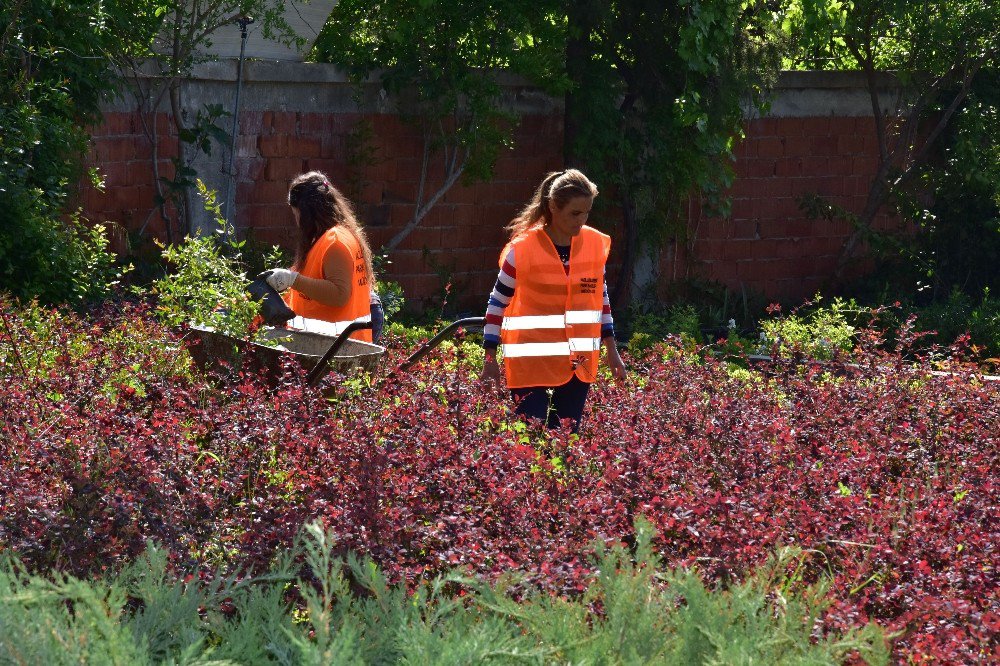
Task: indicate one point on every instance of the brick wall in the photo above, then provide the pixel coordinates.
(768, 244)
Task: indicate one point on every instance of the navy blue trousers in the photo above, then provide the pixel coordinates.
(567, 402)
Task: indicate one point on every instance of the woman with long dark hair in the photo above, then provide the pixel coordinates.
(330, 284)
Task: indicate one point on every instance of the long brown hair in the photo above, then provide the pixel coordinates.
(556, 190)
(322, 207)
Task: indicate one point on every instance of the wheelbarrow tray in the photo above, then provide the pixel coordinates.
(216, 350)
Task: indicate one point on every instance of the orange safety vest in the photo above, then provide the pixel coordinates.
(552, 327)
(320, 318)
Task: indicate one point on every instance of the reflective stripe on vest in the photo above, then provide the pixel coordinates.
(522, 349)
(551, 329)
(358, 304)
(323, 327)
(527, 322)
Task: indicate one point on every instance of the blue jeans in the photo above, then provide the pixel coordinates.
(567, 402)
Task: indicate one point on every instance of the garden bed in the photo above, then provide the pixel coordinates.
(886, 480)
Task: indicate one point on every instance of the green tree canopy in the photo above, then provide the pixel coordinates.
(655, 91)
(441, 60)
(935, 49)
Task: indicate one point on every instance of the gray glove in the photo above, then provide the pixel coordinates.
(280, 278)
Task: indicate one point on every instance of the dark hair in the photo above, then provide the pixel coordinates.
(321, 207)
(556, 190)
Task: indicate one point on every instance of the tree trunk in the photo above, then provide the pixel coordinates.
(582, 17)
(623, 280)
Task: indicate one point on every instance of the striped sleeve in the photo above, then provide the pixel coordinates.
(607, 321)
(503, 291)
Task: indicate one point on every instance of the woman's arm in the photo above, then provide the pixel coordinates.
(334, 289)
(503, 291)
(613, 358)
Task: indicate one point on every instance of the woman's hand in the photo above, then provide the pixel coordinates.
(614, 359)
(280, 279)
(491, 372)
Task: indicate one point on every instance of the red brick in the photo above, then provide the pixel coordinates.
(842, 125)
(386, 170)
(850, 144)
(332, 147)
(282, 169)
(816, 126)
(775, 187)
(138, 172)
(250, 169)
(798, 147)
(284, 122)
(408, 169)
(372, 192)
(762, 127)
(273, 146)
(246, 146)
(424, 237)
(865, 166)
(314, 124)
(790, 127)
(750, 271)
(737, 250)
(461, 194)
(789, 167)
(839, 166)
(303, 147)
(743, 209)
(335, 170)
(267, 192)
(164, 125)
(268, 216)
(463, 216)
(400, 214)
(117, 149)
(763, 168)
(282, 236)
(407, 262)
(723, 271)
(118, 123)
(166, 148)
(815, 165)
(770, 147)
(824, 145)
(787, 207)
(746, 148)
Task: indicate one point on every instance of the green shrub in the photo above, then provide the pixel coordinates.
(209, 285)
(818, 333)
(350, 613)
(651, 326)
(51, 81)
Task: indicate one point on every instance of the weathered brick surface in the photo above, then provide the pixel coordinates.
(768, 244)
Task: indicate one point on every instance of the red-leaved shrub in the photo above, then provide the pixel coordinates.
(884, 473)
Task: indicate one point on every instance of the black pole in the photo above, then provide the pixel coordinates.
(244, 21)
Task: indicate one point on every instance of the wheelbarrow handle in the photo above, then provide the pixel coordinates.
(313, 377)
(443, 334)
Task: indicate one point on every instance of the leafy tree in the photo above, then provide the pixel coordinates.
(657, 101)
(935, 49)
(655, 90)
(440, 61)
(52, 76)
(171, 38)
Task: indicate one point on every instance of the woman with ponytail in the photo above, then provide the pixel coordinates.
(330, 284)
(549, 308)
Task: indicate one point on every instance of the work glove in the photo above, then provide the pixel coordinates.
(279, 278)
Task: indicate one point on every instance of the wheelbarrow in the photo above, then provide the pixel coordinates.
(319, 353)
